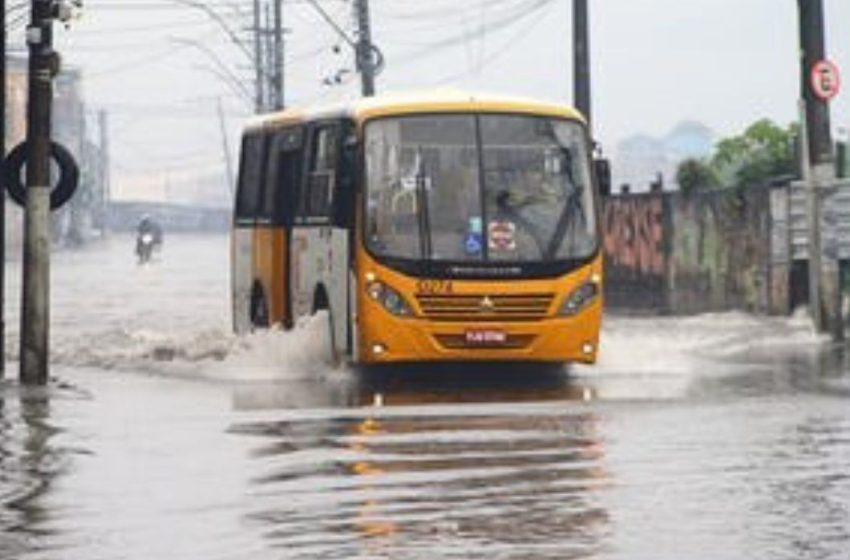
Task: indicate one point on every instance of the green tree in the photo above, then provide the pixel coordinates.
(764, 150)
(695, 175)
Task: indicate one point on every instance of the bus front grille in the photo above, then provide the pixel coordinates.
(513, 307)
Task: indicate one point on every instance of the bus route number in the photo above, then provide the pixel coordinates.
(434, 287)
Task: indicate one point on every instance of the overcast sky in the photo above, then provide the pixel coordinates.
(655, 63)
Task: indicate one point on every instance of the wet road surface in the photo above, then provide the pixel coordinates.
(163, 436)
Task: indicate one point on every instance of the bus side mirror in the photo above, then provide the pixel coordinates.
(602, 168)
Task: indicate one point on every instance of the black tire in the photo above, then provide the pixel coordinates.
(321, 303)
(259, 309)
(144, 251)
(69, 175)
(332, 357)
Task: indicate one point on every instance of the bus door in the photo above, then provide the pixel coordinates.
(319, 271)
(281, 180)
(246, 211)
(283, 175)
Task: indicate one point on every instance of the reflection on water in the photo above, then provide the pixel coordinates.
(806, 487)
(30, 464)
(412, 385)
(427, 463)
(514, 462)
(402, 482)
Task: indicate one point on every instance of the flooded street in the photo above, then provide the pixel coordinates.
(164, 436)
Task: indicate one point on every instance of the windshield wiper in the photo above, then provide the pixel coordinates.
(572, 209)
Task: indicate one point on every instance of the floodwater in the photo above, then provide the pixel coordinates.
(162, 436)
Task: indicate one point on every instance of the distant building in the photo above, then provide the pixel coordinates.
(200, 187)
(637, 160)
(69, 128)
(640, 158)
(16, 129)
(689, 139)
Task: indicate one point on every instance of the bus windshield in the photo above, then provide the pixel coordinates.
(479, 188)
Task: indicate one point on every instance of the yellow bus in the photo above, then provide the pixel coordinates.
(432, 227)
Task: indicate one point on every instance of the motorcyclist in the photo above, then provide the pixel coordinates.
(147, 232)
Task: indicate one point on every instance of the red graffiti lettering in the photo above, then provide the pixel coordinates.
(634, 233)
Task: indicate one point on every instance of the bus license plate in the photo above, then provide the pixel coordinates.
(486, 337)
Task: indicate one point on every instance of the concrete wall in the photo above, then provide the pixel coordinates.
(668, 253)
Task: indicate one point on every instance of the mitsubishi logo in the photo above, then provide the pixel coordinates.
(487, 305)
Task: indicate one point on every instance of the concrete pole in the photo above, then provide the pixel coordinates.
(35, 311)
(103, 169)
(269, 60)
(3, 189)
(581, 60)
(77, 206)
(819, 173)
(279, 61)
(228, 159)
(813, 50)
(258, 62)
(813, 219)
(365, 54)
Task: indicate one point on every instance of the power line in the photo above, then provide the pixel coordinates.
(504, 21)
(438, 14)
(169, 5)
(123, 30)
(330, 21)
(133, 65)
(495, 55)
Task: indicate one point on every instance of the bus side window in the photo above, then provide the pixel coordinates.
(284, 174)
(250, 187)
(316, 200)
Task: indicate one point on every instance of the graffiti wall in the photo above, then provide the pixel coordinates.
(672, 254)
(636, 256)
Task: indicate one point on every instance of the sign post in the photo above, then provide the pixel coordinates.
(820, 82)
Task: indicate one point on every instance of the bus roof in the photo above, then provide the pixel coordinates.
(429, 101)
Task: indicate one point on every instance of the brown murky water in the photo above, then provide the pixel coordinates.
(162, 436)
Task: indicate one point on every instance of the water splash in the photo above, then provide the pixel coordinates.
(215, 354)
(667, 358)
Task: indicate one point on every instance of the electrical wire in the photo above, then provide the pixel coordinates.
(504, 21)
(509, 44)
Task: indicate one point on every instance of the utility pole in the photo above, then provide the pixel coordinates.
(269, 59)
(819, 174)
(3, 189)
(279, 63)
(258, 61)
(581, 60)
(77, 206)
(231, 180)
(35, 320)
(103, 169)
(364, 48)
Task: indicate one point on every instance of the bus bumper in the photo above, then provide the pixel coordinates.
(561, 339)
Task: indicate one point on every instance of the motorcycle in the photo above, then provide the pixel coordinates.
(145, 245)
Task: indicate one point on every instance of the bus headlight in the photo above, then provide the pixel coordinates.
(390, 299)
(579, 299)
